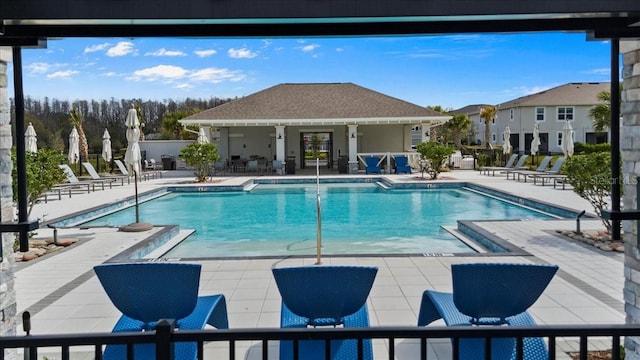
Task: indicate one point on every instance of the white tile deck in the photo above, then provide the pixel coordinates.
(64, 296)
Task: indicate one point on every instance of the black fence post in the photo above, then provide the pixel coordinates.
(164, 346)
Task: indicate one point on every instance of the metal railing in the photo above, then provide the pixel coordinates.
(165, 335)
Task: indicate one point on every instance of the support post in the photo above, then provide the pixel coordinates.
(615, 137)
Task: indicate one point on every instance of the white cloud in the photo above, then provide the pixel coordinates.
(165, 52)
(184, 86)
(109, 74)
(205, 53)
(310, 47)
(266, 43)
(62, 74)
(164, 72)
(526, 90)
(182, 78)
(38, 67)
(96, 48)
(339, 49)
(121, 49)
(243, 53)
(601, 71)
(216, 75)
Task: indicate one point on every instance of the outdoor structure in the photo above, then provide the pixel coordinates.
(286, 121)
(550, 109)
(30, 22)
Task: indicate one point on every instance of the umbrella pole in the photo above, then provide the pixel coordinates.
(135, 184)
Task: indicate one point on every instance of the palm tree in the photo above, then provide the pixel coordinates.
(488, 113)
(76, 120)
(457, 126)
(601, 113)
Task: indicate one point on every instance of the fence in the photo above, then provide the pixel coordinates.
(164, 336)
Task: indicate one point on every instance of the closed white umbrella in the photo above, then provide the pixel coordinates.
(132, 157)
(202, 137)
(74, 146)
(535, 143)
(31, 139)
(506, 146)
(106, 146)
(567, 140)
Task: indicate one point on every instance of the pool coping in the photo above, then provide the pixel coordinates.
(468, 228)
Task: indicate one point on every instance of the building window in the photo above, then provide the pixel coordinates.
(540, 114)
(565, 114)
(511, 114)
(560, 139)
(493, 137)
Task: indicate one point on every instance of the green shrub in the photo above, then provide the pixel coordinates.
(590, 176)
(42, 173)
(580, 148)
(201, 157)
(436, 153)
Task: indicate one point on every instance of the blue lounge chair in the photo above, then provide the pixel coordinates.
(372, 166)
(324, 296)
(490, 294)
(402, 165)
(148, 292)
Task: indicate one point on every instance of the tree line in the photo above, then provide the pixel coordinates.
(53, 119)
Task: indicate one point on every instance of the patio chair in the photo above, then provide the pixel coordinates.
(123, 169)
(402, 165)
(252, 166)
(542, 167)
(73, 185)
(278, 167)
(73, 181)
(311, 297)
(490, 294)
(148, 292)
(220, 166)
(552, 174)
(518, 166)
(109, 179)
(509, 164)
(372, 166)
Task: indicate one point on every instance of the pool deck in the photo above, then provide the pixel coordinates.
(64, 296)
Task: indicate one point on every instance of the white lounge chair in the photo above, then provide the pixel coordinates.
(107, 178)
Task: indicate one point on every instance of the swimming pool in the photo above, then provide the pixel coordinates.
(280, 220)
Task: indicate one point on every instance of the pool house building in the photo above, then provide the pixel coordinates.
(340, 123)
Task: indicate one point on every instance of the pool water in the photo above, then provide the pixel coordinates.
(280, 220)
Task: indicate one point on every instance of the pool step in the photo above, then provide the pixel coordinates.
(169, 244)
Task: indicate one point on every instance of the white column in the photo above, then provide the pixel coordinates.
(207, 131)
(426, 132)
(352, 133)
(280, 141)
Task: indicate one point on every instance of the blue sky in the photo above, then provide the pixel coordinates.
(451, 71)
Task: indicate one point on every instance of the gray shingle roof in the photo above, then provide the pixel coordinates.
(567, 94)
(315, 101)
(468, 110)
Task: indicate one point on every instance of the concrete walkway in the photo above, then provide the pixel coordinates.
(64, 296)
